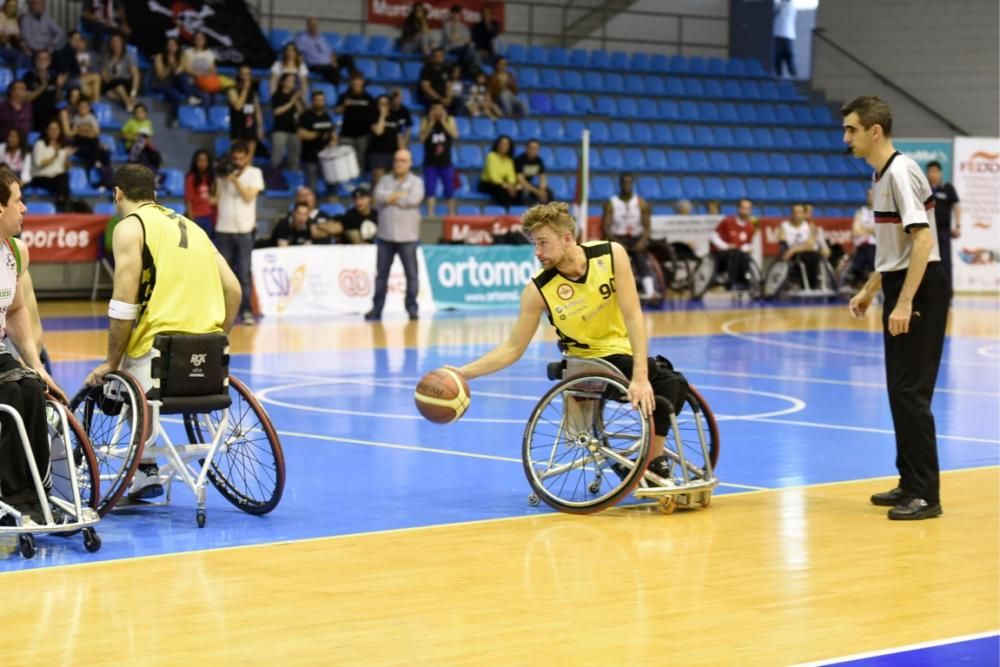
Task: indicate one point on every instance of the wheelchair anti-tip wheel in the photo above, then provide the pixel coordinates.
(248, 469)
(585, 448)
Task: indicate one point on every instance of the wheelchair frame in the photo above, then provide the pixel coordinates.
(754, 289)
(775, 282)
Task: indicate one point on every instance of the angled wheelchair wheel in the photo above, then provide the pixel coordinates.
(703, 276)
(77, 453)
(115, 418)
(776, 278)
(248, 469)
(585, 447)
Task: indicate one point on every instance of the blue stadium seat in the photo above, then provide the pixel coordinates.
(193, 118)
(541, 104)
(688, 111)
(783, 115)
(735, 67)
(780, 164)
(642, 133)
(6, 77)
(747, 113)
(552, 130)
(714, 188)
(116, 146)
(618, 60)
(639, 62)
(367, 67)
(713, 89)
(796, 188)
(482, 129)
(634, 159)
(836, 191)
(698, 162)
(506, 126)
(468, 209)
(652, 85)
(573, 80)
(563, 104)
(799, 164)
(656, 159)
(612, 159)
(278, 37)
(774, 211)
(494, 210)
(614, 82)
(723, 136)
(729, 113)
(766, 114)
(561, 190)
(857, 190)
(663, 134)
(173, 182)
(693, 187)
(411, 70)
(594, 161)
(739, 163)
(674, 87)
(756, 189)
(751, 89)
(578, 57)
(668, 109)
(390, 70)
(708, 112)
(670, 188)
(332, 209)
(816, 191)
(648, 187)
(783, 139)
(36, 207)
(556, 56)
(566, 159)
(677, 161)
(769, 91)
(515, 53)
(536, 54)
(529, 128)
(606, 106)
(718, 162)
(598, 59)
(104, 208)
(333, 39)
(528, 77)
(620, 132)
(715, 66)
(462, 124)
(693, 88)
(583, 104)
(635, 85)
(598, 131)
(822, 116)
(684, 135)
(379, 45)
(79, 184)
(659, 62)
(218, 118)
(703, 136)
(470, 156)
(759, 164)
(743, 137)
(602, 187)
(105, 117)
(696, 65)
(762, 138)
(353, 44)
(802, 140)
(823, 139)
(731, 89)
(628, 107)
(735, 189)
(417, 152)
(550, 79)
(818, 165)
(548, 155)
(788, 91)
(776, 190)
(802, 115)
(221, 145)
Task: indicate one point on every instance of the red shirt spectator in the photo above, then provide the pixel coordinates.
(198, 197)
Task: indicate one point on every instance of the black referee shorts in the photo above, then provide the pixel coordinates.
(667, 383)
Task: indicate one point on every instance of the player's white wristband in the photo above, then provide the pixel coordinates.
(119, 310)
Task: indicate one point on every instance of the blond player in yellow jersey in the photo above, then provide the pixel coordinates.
(588, 293)
(168, 278)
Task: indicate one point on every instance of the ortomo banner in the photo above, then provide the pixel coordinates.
(394, 12)
(976, 253)
(476, 276)
(64, 238)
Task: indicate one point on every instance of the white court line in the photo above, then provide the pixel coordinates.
(866, 429)
(898, 649)
(990, 351)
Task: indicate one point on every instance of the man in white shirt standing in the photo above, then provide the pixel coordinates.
(237, 219)
(784, 37)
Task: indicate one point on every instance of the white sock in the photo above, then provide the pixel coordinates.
(647, 286)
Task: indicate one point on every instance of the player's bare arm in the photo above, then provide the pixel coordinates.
(640, 391)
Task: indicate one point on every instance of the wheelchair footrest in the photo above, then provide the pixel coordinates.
(685, 494)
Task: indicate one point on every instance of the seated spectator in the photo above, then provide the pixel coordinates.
(200, 74)
(67, 108)
(246, 120)
(11, 49)
(863, 234)
(731, 244)
(713, 207)
(81, 65)
(15, 109)
(499, 178)
(683, 207)
(294, 229)
(50, 164)
(316, 131)
(627, 219)
(503, 89)
(485, 33)
(456, 90)
(44, 90)
(437, 132)
(144, 152)
(530, 169)
(120, 74)
(478, 100)
(434, 81)
(199, 191)
(39, 32)
(85, 136)
(385, 139)
(803, 241)
(325, 229)
(286, 106)
(357, 110)
(319, 56)
(104, 18)
(138, 123)
(168, 78)
(360, 222)
(402, 116)
(415, 36)
(456, 41)
(290, 62)
(15, 156)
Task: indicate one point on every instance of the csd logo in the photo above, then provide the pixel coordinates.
(277, 281)
(354, 282)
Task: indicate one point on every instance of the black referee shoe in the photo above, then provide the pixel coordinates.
(914, 508)
(889, 498)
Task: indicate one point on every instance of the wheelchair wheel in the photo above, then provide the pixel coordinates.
(115, 418)
(755, 280)
(774, 281)
(675, 261)
(78, 453)
(703, 277)
(585, 447)
(249, 467)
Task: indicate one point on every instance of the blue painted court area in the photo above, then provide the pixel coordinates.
(978, 652)
(794, 409)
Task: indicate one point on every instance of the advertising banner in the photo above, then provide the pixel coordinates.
(976, 253)
(394, 12)
(925, 150)
(63, 239)
(479, 276)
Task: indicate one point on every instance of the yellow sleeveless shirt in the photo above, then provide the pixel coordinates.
(585, 312)
(180, 290)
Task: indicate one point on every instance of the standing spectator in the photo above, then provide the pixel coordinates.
(120, 75)
(503, 89)
(530, 169)
(15, 155)
(199, 191)
(139, 123)
(784, 37)
(290, 62)
(945, 206)
(628, 220)
(319, 56)
(316, 131)
(15, 111)
(237, 219)
(357, 109)
(415, 36)
(166, 77)
(81, 65)
(499, 178)
(104, 18)
(478, 100)
(398, 196)
(434, 81)
(85, 136)
(286, 105)
(200, 75)
(731, 244)
(456, 41)
(437, 132)
(44, 90)
(385, 139)
(11, 48)
(360, 222)
(803, 241)
(39, 32)
(401, 114)
(246, 120)
(863, 234)
(485, 33)
(50, 164)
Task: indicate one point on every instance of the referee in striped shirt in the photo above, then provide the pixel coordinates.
(908, 269)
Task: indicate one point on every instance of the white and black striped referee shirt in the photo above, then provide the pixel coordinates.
(902, 197)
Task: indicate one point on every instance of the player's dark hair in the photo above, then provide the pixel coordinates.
(137, 182)
(934, 163)
(7, 179)
(871, 110)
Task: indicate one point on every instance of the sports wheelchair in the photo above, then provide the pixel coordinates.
(707, 274)
(585, 448)
(791, 278)
(228, 439)
(70, 505)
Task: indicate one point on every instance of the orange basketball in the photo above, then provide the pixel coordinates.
(442, 396)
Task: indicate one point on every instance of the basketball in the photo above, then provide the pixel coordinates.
(442, 396)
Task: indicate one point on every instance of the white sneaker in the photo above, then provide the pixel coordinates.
(146, 483)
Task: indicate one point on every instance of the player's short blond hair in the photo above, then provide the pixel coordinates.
(555, 216)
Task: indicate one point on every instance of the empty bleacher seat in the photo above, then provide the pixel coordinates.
(714, 188)
(656, 159)
(470, 156)
(693, 87)
(468, 209)
(668, 109)
(578, 57)
(620, 132)
(618, 60)
(614, 82)
(677, 161)
(547, 154)
(606, 106)
(583, 104)
(703, 136)
(79, 183)
(560, 187)
(648, 187)
(278, 37)
(641, 133)
(573, 80)
(684, 135)
(550, 79)
(563, 104)
(552, 129)
(759, 163)
(493, 209)
(218, 118)
(798, 163)
(663, 134)
(612, 159)
(670, 188)
(698, 161)
(379, 45)
(739, 163)
(541, 103)
(707, 112)
(104, 208)
(482, 129)
(776, 190)
(634, 84)
(598, 131)
(713, 89)
(602, 187)
(515, 53)
(193, 118)
(506, 126)
(353, 44)
(673, 87)
(818, 165)
(173, 182)
(634, 159)
(35, 207)
(856, 190)
(652, 84)
(836, 191)
(628, 107)
(729, 113)
(718, 161)
(390, 70)
(417, 152)
(693, 187)
(780, 164)
(796, 189)
(816, 191)
(556, 56)
(735, 189)
(756, 189)
(783, 139)
(529, 128)
(722, 136)
(566, 159)
(783, 115)
(598, 59)
(639, 62)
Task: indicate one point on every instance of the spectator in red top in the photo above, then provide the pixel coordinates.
(199, 191)
(731, 245)
(15, 111)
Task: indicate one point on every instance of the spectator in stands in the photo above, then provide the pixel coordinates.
(434, 81)
(357, 110)
(39, 32)
(401, 114)
(628, 220)
(478, 100)
(15, 111)
(200, 76)
(67, 108)
(499, 178)
(50, 164)
(120, 74)
(246, 120)
(85, 136)
(713, 207)
(138, 123)
(398, 196)
(731, 244)
(457, 42)
(437, 132)
(683, 207)
(45, 90)
(485, 33)
(503, 89)
(104, 18)
(11, 48)
(290, 62)
(530, 169)
(325, 229)
(360, 222)
(295, 229)
(316, 131)
(415, 36)
(199, 191)
(803, 241)
(81, 66)
(14, 154)
(237, 218)
(167, 77)
(784, 37)
(863, 236)
(319, 56)
(385, 139)
(286, 106)
(144, 152)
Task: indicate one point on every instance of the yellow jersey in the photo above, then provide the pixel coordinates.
(585, 311)
(180, 290)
